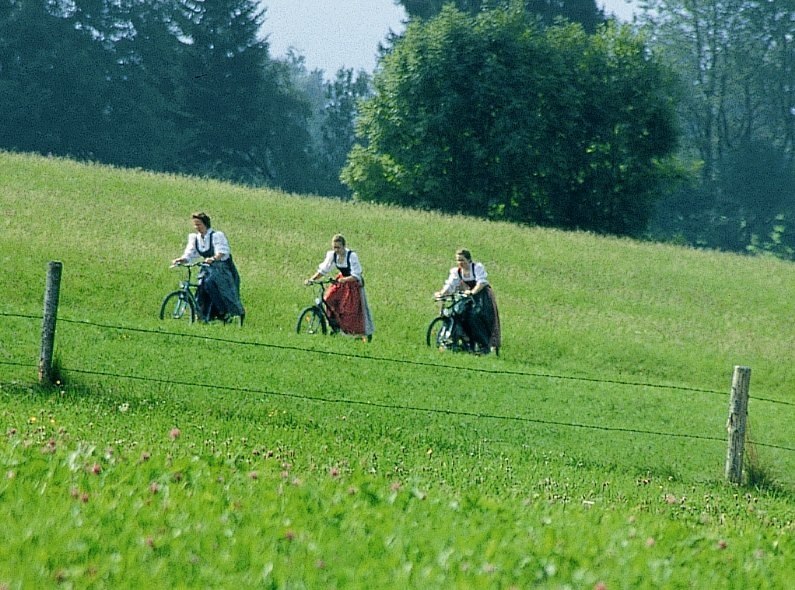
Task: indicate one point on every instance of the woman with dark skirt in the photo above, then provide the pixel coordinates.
(482, 319)
(346, 298)
(218, 295)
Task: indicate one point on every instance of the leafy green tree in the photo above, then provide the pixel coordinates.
(584, 12)
(493, 116)
(737, 59)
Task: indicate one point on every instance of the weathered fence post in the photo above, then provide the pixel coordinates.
(51, 295)
(738, 413)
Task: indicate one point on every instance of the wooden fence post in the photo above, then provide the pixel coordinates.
(51, 295)
(738, 413)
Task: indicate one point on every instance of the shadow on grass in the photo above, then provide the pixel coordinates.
(762, 478)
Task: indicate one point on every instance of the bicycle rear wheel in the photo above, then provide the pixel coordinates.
(311, 321)
(178, 306)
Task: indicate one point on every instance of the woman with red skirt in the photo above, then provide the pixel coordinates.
(346, 299)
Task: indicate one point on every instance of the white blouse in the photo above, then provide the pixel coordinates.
(477, 272)
(328, 265)
(196, 242)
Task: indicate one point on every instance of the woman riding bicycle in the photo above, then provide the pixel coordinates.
(218, 295)
(481, 321)
(346, 299)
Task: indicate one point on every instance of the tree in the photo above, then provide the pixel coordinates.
(334, 108)
(139, 122)
(584, 12)
(222, 90)
(493, 116)
(341, 109)
(737, 59)
(53, 73)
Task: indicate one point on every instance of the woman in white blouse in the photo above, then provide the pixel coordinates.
(481, 320)
(346, 299)
(218, 295)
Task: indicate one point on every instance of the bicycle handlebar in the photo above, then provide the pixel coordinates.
(328, 281)
(451, 296)
(189, 265)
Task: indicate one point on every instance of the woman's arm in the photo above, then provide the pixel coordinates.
(450, 285)
(190, 251)
(220, 247)
(479, 272)
(323, 268)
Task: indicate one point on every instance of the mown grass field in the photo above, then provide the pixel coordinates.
(589, 454)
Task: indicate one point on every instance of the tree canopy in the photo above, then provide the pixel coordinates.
(174, 85)
(737, 60)
(494, 116)
(584, 12)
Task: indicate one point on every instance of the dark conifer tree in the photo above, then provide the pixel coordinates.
(240, 119)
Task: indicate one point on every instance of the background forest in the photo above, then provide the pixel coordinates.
(678, 127)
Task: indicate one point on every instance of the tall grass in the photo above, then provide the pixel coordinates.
(590, 452)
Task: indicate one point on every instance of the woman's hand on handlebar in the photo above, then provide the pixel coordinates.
(318, 280)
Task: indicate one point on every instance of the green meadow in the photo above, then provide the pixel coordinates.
(589, 454)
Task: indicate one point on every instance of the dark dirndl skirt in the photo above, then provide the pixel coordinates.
(218, 295)
(482, 321)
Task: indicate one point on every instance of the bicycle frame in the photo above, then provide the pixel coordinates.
(316, 318)
(181, 304)
(446, 331)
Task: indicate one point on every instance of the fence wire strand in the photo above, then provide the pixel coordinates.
(460, 413)
(404, 361)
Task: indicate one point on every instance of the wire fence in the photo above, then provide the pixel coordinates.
(395, 407)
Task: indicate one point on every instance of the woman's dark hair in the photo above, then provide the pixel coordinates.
(203, 217)
(465, 253)
(339, 238)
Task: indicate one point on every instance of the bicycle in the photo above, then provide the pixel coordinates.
(316, 319)
(182, 303)
(446, 331)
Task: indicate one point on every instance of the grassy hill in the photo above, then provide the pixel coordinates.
(588, 454)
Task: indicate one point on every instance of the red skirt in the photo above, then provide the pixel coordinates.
(344, 302)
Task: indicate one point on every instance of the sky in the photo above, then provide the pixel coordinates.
(331, 34)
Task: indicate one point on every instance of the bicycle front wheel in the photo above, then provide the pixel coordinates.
(311, 321)
(438, 332)
(178, 306)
